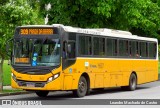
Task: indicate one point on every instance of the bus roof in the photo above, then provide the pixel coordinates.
(108, 33)
(27, 26)
(105, 32)
(99, 31)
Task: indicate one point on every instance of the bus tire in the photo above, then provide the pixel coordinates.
(132, 83)
(42, 93)
(82, 87)
(88, 91)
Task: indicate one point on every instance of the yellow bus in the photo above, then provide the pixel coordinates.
(64, 58)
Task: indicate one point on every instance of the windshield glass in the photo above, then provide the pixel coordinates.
(36, 52)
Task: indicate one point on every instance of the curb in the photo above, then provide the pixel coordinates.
(15, 93)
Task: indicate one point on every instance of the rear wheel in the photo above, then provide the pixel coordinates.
(82, 88)
(42, 93)
(132, 83)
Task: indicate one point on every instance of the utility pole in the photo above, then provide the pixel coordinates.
(47, 7)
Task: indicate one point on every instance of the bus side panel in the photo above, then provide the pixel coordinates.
(92, 78)
(72, 75)
(94, 69)
(90, 67)
(107, 79)
(139, 66)
(126, 69)
(99, 80)
(152, 70)
(68, 82)
(115, 76)
(76, 77)
(112, 73)
(97, 67)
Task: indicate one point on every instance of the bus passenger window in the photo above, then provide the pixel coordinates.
(115, 50)
(152, 50)
(111, 47)
(137, 50)
(143, 49)
(85, 45)
(155, 50)
(123, 48)
(147, 50)
(98, 48)
(133, 50)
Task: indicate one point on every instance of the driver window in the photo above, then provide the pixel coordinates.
(73, 51)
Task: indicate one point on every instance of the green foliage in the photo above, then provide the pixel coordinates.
(6, 74)
(13, 14)
(159, 50)
(141, 17)
(81, 13)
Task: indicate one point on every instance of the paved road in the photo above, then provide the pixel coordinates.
(145, 91)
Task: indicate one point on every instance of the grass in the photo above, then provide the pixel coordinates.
(11, 91)
(7, 73)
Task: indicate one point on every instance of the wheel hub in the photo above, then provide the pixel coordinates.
(82, 86)
(133, 82)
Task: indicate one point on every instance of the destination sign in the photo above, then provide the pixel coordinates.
(32, 31)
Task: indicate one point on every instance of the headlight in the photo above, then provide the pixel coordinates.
(56, 76)
(50, 79)
(53, 77)
(13, 76)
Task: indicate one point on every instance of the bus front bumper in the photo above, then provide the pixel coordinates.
(37, 85)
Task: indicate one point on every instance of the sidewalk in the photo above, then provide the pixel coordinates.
(8, 90)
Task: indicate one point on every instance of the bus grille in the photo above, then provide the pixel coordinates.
(32, 71)
(31, 84)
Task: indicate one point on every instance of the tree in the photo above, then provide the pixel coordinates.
(14, 13)
(141, 17)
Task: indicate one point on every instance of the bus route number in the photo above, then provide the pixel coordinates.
(36, 31)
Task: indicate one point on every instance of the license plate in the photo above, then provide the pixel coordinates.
(30, 85)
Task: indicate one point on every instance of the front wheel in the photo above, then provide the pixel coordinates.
(132, 83)
(82, 88)
(42, 93)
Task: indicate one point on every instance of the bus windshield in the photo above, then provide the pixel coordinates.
(36, 52)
